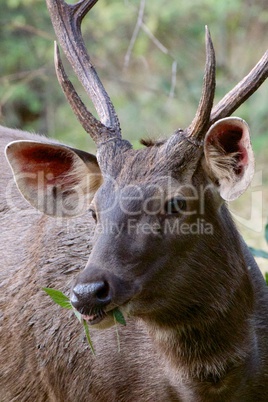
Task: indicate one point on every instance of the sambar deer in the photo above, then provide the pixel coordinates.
(165, 251)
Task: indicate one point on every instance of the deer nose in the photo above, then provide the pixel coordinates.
(86, 295)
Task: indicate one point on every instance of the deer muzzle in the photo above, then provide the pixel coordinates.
(96, 294)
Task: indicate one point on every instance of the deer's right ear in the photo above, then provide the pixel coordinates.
(229, 156)
(55, 179)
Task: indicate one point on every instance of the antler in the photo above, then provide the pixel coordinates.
(201, 120)
(204, 117)
(242, 91)
(66, 20)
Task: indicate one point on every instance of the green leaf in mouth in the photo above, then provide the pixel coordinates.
(118, 316)
(62, 300)
(58, 297)
(85, 325)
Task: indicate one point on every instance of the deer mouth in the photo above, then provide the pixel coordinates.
(96, 318)
(106, 318)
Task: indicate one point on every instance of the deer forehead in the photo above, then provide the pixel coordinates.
(145, 180)
(174, 158)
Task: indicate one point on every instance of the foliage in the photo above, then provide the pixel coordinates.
(261, 253)
(149, 98)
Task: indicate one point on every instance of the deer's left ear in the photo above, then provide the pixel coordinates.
(229, 156)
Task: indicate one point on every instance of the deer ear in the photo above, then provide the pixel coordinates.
(229, 156)
(55, 179)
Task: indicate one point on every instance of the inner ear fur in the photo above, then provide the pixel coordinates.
(55, 179)
(229, 156)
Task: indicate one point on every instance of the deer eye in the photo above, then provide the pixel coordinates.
(175, 205)
(93, 214)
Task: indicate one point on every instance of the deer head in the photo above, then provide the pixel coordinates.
(159, 211)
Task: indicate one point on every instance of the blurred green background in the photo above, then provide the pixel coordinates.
(154, 82)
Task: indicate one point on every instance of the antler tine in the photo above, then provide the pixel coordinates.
(90, 124)
(200, 123)
(66, 20)
(242, 91)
